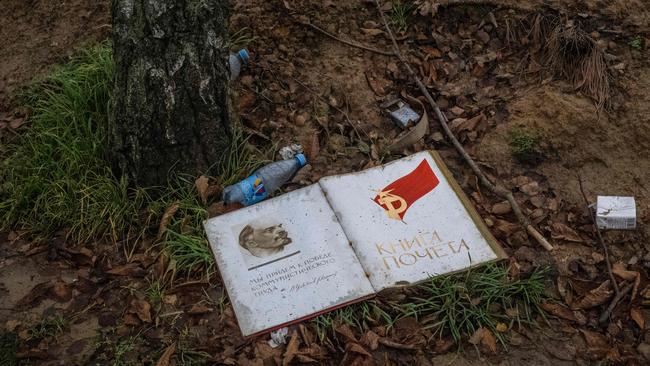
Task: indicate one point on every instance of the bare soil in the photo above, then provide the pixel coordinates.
(36, 34)
(305, 87)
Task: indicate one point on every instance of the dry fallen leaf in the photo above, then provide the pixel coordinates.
(370, 340)
(558, 310)
(502, 327)
(501, 208)
(142, 309)
(637, 315)
(563, 232)
(130, 319)
(292, 349)
(531, 188)
(443, 345)
(431, 52)
(505, 227)
(597, 345)
(346, 332)
(314, 351)
(354, 347)
(595, 297)
(129, 269)
(167, 218)
(484, 336)
(61, 291)
(166, 356)
(202, 186)
(619, 270)
(198, 309)
(372, 31)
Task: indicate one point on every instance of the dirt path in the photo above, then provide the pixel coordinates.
(35, 34)
(300, 87)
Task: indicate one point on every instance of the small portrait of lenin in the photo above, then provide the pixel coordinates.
(263, 240)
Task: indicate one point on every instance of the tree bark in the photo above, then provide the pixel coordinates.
(170, 102)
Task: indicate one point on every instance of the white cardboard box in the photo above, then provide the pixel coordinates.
(616, 212)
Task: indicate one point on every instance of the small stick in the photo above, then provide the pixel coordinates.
(498, 190)
(349, 43)
(600, 237)
(603, 318)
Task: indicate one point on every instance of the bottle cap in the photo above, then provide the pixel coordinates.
(301, 159)
(243, 55)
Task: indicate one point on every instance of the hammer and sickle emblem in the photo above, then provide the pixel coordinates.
(388, 199)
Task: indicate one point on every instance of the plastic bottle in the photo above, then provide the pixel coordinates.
(263, 181)
(236, 61)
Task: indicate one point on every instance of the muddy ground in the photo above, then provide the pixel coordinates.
(489, 73)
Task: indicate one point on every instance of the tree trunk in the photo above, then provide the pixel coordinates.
(170, 103)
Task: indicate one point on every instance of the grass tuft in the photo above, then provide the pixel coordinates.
(460, 304)
(455, 305)
(636, 42)
(522, 142)
(361, 316)
(8, 348)
(240, 39)
(399, 15)
(155, 294)
(56, 175)
(48, 327)
(185, 239)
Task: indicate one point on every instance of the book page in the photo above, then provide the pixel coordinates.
(407, 221)
(285, 259)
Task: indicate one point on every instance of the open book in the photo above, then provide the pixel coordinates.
(344, 239)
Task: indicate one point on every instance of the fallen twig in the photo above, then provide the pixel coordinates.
(498, 190)
(600, 237)
(344, 41)
(603, 318)
(516, 5)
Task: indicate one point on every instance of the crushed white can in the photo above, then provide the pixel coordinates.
(616, 212)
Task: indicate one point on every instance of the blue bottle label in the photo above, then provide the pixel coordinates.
(254, 190)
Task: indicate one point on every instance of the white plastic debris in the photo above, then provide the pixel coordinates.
(616, 212)
(278, 337)
(288, 152)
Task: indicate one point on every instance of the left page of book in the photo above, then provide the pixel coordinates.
(284, 260)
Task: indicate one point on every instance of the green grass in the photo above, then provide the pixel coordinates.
(122, 351)
(48, 327)
(455, 305)
(185, 354)
(184, 239)
(8, 348)
(399, 15)
(240, 39)
(56, 175)
(523, 142)
(155, 293)
(117, 350)
(636, 43)
(462, 303)
(361, 316)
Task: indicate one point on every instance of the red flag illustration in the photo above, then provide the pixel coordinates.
(397, 197)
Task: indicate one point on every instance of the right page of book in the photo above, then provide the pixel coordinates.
(409, 220)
